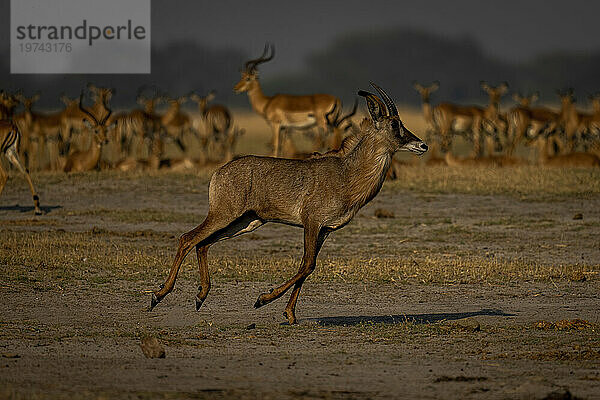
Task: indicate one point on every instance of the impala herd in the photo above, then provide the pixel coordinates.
(79, 138)
(495, 134)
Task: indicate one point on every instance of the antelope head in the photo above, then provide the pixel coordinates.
(595, 100)
(68, 102)
(250, 72)
(99, 128)
(100, 93)
(174, 103)
(8, 102)
(148, 102)
(494, 92)
(566, 97)
(203, 101)
(425, 92)
(386, 121)
(525, 101)
(27, 101)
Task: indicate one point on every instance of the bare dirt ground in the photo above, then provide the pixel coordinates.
(461, 292)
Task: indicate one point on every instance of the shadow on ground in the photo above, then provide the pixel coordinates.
(24, 209)
(397, 319)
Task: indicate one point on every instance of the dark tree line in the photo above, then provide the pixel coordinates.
(393, 58)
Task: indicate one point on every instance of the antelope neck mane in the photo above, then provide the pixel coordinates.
(369, 161)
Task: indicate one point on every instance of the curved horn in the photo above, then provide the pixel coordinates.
(392, 110)
(345, 117)
(107, 115)
(335, 113)
(251, 64)
(86, 111)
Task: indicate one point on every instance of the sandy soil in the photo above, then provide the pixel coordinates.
(354, 339)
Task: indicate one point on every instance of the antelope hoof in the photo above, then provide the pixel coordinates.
(260, 301)
(153, 302)
(38, 212)
(289, 315)
(199, 304)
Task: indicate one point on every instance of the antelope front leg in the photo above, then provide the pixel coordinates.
(290, 309)
(312, 245)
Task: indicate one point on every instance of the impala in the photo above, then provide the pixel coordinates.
(450, 119)
(45, 134)
(174, 121)
(575, 159)
(590, 124)
(217, 118)
(340, 126)
(72, 123)
(525, 121)
(9, 146)
(142, 125)
(284, 111)
(320, 194)
(432, 129)
(492, 111)
(570, 119)
(87, 160)
(24, 121)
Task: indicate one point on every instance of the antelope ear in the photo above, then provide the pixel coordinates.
(376, 107)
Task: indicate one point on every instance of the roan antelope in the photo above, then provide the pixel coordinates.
(87, 160)
(284, 111)
(9, 147)
(319, 194)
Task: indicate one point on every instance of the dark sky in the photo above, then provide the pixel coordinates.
(510, 30)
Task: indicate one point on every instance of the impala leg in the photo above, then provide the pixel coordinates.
(276, 139)
(34, 153)
(12, 156)
(312, 245)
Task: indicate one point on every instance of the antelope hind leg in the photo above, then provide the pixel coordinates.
(245, 224)
(210, 231)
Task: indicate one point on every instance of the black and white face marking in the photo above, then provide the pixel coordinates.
(408, 141)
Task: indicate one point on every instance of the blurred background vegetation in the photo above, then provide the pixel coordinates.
(195, 50)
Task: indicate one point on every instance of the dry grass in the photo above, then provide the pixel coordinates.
(58, 258)
(523, 182)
